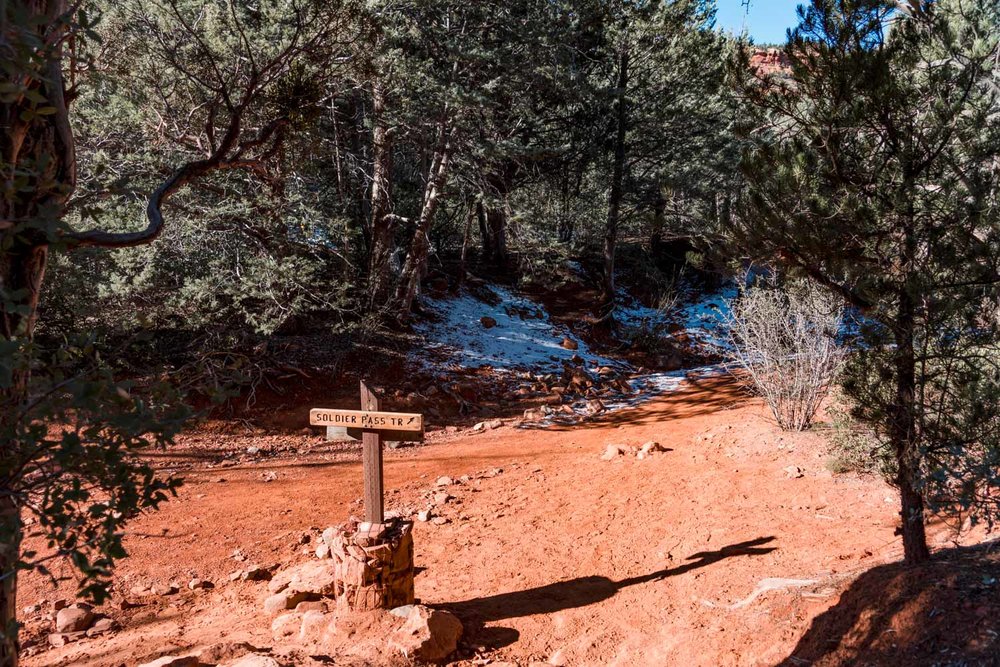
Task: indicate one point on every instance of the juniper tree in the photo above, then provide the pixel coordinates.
(69, 433)
(872, 169)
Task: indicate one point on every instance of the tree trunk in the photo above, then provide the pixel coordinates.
(467, 233)
(496, 223)
(39, 149)
(416, 259)
(617, 180)
(10, 549)
(381, 194)
(903, 435)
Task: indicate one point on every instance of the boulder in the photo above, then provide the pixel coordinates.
(314, 577)
(430, 635)
(74, 618)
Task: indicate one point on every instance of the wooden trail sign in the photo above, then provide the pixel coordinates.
(371, 426)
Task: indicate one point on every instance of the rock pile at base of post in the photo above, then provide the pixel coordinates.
(373, 564)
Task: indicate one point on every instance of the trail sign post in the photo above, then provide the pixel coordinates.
(372, 426)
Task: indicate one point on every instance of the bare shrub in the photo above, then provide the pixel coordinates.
(785, 336)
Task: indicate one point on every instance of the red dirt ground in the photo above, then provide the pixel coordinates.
(564, 557)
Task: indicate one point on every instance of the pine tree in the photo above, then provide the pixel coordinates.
(872, 169)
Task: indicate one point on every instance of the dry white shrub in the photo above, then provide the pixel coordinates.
(785, 336)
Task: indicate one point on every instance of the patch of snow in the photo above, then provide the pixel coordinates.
(705, 320)
(524, 337)
(644, 388)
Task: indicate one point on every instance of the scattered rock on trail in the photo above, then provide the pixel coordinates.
(74, 618)
(279, 602)
(612, 452)
(649, 448)
(569, 344)
(424, 516)
(487, 322)
(595, 407)
(101, 626)
(793, 472)
(173, 661)
(440, 520)
(444, 481)
(430, 635)
(254, 660)
(217, 653)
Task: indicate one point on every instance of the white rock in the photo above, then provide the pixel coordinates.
(173, 661)
(255, 660)
(444, 481)
(612, 452)
(430, 635)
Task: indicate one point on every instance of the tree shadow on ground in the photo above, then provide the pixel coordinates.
(575, 593)
(946, 612)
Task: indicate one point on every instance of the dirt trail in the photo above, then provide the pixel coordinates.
(562, 557)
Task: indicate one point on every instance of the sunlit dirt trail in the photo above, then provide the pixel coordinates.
(562, 557)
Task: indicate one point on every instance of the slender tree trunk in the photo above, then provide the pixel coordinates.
(659, 222)
(617, 179)
(381, 225)
(904, 436)
(466, 234)
(496, 222)
(416, 259)
(484, 233)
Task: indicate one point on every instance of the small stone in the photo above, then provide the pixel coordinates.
(612, 452)
(256, 573)
(494, 424)
(286, 626)
(101, 626)
(236, 576)
(255, 660)
(569, 344)
(251, 450)
(442, 498)
(322, 550)
(310, 605)
(224, 651)
(279, 602)
(793, 472)
(58, 639)
(424, 515)
(75, 618)
(440, 520)
(170, 589)
(197, 584)
(487, 322)
(444, 481)
(594, 406)
(59, 604)
(173, 661)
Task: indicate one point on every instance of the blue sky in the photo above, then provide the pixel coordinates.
(766, 21)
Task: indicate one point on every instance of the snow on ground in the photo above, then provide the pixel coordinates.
(703, 319)
(524, 337)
